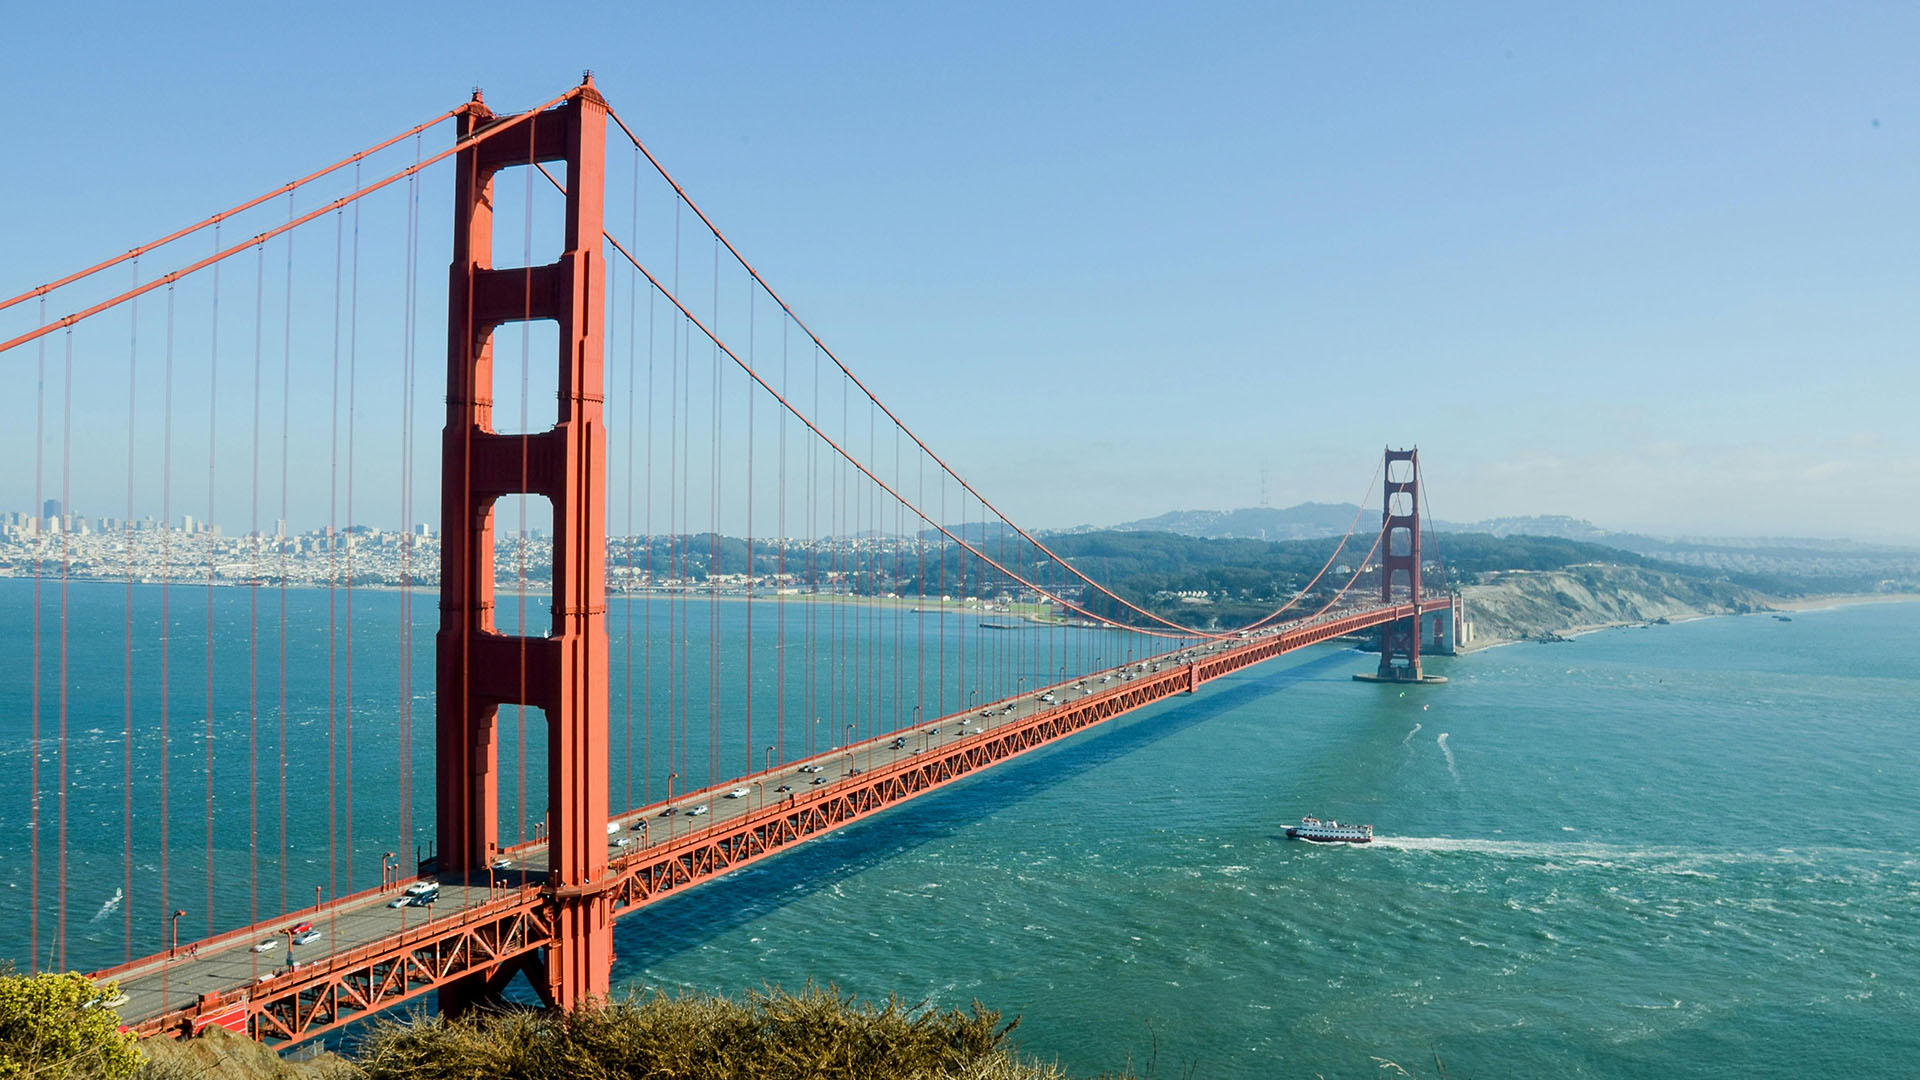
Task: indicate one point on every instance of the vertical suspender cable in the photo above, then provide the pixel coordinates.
(280, 530)
(66, 573)
(780, 588)
(632, 432)
(166, 629)
(713, 559)
(253, 604)
(333, 572)
(749, 567)
(213, 545)
(408, 392)
(673, 518)
(353, 391)
(33, 738)
(653, 579)
(126, 689)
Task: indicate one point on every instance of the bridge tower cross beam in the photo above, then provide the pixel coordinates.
(1400, 563)
(478, 668)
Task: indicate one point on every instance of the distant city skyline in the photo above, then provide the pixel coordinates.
(1650, 268)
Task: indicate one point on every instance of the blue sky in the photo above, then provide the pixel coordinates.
(1651, 265)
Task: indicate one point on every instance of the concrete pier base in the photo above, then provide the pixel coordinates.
(1418, 680)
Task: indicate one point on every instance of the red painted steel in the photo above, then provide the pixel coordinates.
(215, 219)
(262, 237)
(483, 947)
(559, 933)
(1400, 562)
(478, 668)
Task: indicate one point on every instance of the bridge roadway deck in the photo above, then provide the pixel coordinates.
(371, 955)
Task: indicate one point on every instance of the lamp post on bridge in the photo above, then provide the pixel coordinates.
(174, 948)
(671, 777)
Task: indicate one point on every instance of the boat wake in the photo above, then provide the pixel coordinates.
(1442, 740)
(1589, 853)
(1408, 741)
(112, 905)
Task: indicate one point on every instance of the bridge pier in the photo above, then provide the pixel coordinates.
(1400, 639)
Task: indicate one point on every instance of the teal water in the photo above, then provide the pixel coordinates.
(239, 793)
(1679, 851)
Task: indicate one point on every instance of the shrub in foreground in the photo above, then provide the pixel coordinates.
(54, 1026)
(813, 1035)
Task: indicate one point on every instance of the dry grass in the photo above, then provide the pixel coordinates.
(813, 1035)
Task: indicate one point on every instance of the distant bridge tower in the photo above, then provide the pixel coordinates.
(1400, 561)
(564, 673)
(1400, 569)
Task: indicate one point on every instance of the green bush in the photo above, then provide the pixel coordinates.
(53, 1027)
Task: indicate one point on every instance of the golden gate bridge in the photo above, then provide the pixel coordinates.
(791, 554)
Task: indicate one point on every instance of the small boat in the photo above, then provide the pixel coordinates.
(1330, 832)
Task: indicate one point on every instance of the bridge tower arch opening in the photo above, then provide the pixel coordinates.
(562, 673)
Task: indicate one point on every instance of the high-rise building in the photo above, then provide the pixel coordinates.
(51, 508)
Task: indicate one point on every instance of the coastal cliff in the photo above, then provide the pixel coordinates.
(1522, 605)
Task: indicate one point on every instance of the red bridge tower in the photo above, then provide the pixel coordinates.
(564, 674)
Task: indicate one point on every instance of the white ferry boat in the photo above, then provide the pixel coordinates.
(1330, 832)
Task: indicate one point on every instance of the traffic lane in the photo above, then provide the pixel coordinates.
(172, 985)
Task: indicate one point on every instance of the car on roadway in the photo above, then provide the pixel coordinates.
(400, 901)
(696, 811)
(421, 888)
(266, 945)
(306, 937)
(899, 742)
(818, 780)
(639, 826)
(813, 768)
(739, 793)
(784, 787)
(622, 841)
(500, 863)
(424, 899)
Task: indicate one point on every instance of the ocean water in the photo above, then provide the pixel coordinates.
(1690, 850)
(261, 751)
(1680, 851)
